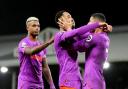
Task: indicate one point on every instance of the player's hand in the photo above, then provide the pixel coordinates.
(106, 27)
(109, 28)
(51, 40)
(65, 23)
(103, 25)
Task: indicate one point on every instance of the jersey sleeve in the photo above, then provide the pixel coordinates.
(79, 31)
(85, 43)
(22, 46)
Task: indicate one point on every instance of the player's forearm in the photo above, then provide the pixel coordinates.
(87, 28)
(40, 47)
(84, 36)
(36, 49)
(79, 46)
(47, 75)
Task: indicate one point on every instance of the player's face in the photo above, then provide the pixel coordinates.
(67, 19)
(33, 28)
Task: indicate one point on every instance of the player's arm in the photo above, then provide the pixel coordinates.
(83, 36)
(36, 49)
(79, 44)
(47, 74)
(79, 31)
(83, 44)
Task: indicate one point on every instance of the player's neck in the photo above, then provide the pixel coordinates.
(62, 30)
(32, 38)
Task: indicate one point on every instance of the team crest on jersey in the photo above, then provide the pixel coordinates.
(24, 45)
(89, 38)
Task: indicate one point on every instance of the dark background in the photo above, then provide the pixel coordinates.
(13, 14)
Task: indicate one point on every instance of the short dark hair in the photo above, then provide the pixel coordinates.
(99, 16)
(58, 15)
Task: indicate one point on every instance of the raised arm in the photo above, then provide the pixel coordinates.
(79, 31)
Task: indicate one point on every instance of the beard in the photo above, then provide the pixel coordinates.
(35, 33)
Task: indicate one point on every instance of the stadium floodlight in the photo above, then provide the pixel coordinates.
(106, 65)
(3, 69)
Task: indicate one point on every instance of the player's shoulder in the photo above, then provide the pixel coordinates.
(23, 41)
(58, 34)
(103, 36)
